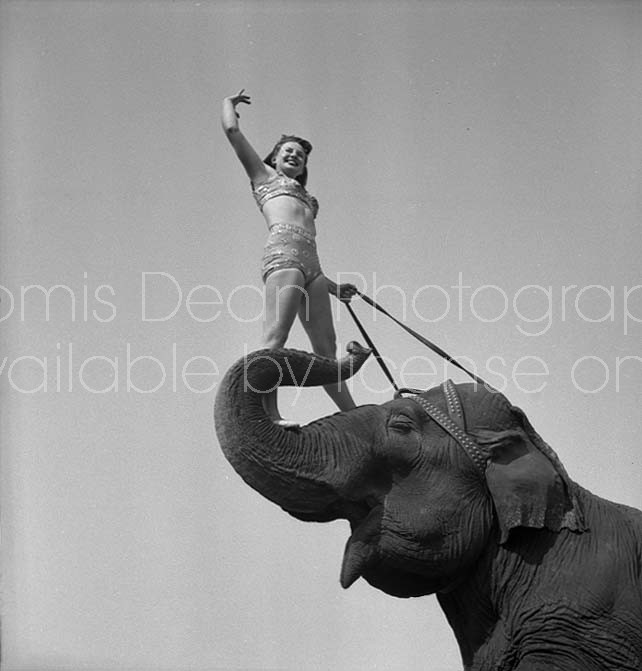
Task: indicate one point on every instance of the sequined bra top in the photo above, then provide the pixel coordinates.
(282, 185)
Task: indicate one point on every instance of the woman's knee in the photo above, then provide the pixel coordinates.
(275, 337)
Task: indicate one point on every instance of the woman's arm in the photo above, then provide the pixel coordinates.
(256, 170)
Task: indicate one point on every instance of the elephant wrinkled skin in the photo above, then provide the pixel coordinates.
(532, 571)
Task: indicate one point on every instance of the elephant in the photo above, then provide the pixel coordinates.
(451, 492)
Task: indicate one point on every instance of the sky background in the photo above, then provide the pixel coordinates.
(478, 170)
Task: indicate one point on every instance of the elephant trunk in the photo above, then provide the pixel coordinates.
(307, 471)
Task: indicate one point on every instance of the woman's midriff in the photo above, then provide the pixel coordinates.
(285, 209)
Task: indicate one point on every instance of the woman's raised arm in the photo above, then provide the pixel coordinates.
(256, 170)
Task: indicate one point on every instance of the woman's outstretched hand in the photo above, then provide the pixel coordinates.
(344, 292)
(240, 97)
(347, 291)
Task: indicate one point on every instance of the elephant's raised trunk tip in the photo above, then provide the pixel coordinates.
(266, 369)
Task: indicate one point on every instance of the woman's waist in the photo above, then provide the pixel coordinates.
(306, 232)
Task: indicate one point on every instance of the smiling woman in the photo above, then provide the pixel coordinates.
(291, 270)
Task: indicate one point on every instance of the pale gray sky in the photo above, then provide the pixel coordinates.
(482, 158)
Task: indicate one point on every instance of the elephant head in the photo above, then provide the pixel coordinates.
(425, 481)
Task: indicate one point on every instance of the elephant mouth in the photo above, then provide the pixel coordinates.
(367, 555)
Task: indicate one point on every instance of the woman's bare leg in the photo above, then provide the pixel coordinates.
(315, 314)
(284, 293)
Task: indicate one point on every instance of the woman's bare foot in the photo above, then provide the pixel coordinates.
(286, 423)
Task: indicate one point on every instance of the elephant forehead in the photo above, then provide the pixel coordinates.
(435, 395)
(484, 408)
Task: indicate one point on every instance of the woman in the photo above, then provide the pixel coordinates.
(294, 281)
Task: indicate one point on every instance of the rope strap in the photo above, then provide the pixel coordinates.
(372, 346)
(435, 348)
(430, 345)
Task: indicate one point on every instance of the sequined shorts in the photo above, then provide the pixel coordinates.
(290, 246)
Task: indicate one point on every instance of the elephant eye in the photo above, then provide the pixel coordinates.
(401, 424)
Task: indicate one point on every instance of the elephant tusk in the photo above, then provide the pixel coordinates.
(361, 548)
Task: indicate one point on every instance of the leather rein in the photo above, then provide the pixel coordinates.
(428, 343)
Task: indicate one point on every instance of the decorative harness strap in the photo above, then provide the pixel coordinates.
(454, 423)
(453, 402)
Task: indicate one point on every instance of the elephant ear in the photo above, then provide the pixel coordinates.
(528, 484)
